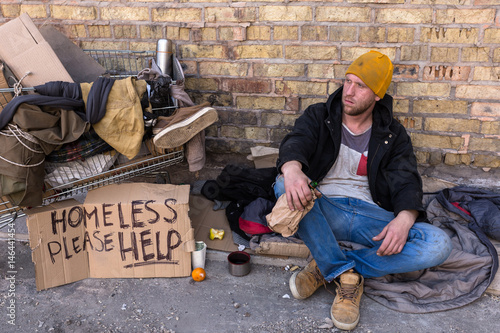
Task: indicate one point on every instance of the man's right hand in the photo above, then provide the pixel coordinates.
(298, 192)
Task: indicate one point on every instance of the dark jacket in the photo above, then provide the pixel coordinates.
(394, 181)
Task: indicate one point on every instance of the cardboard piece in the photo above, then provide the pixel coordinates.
(80, 66)
(263, 157)
(203, 218)
(23, 49)
(133, 230)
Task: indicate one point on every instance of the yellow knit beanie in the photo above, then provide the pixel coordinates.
(375, 69)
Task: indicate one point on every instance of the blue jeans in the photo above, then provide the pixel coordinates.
(353, 220)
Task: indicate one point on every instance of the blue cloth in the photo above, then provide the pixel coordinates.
(346, 219)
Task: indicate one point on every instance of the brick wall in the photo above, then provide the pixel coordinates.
(264, 61)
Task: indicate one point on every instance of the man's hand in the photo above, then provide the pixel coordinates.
(395, 233)
(298, 192)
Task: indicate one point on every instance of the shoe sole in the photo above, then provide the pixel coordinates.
(183, 131)
(344, 326)
(293, 287)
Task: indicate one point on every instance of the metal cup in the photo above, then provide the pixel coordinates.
(164, 56)
(238, 263)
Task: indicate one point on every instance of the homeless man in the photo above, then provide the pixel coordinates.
(370, 190)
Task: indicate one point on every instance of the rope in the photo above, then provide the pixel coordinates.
(18, 87)
(13, 130)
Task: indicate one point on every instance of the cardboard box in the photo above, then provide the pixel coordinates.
(23, 49)
(134, 230)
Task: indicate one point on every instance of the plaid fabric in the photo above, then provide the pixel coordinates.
(87, 145)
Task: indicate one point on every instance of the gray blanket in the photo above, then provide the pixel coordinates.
(469, 269)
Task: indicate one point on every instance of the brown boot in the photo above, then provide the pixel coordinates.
(184, 124)
(345, 307)
(304, 283)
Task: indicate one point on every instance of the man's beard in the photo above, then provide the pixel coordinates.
(357, 109)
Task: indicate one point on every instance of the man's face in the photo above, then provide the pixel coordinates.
(357, 97)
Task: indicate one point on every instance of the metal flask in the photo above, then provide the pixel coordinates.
(164, 56)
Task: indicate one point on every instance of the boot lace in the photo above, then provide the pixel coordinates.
(348, 292)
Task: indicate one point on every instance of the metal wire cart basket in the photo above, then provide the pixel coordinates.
(102, 169)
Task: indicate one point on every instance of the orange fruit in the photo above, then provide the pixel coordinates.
(198, 274)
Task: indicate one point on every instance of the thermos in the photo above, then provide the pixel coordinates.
(164, 56)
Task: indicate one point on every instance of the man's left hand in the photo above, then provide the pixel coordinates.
(395, 233)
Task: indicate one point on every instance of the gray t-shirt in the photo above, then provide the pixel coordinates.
(348, 177)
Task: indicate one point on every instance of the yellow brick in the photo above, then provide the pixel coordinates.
(285, 13)
(377, 1)
(339, 71)
(232, 33)
(151, 31)
(422, 157)
(440, 106)
(182, 15)
(230, 14)
(487, 74)
(232, 132)
(444, 54)
(413, 53)
(450, 35)
(400, 35)
(259, 33)
(478, 92)
(451, 125)
(301, 88)
(177, 33)
(446, 73)
(208, 34)
(34, 11)
(414, 123)
(305, 102)
(311, 52)
(104, 45)
(314, 33)
(491, 35)
(436, 141)
(470, 16)
(457, 159)
(372, 34)
(490, 127)
(352, 53)
(421, 89)
(442, 2)
(10, 10)
(286, 32)
(223, 68)
(476, 54)
(73, 12)
(258, 51)
(278, 119)
(406, 16)
(201, 84)
(343, 14)
(278, 70)
(479, 109)
(486, 161)
(76, 30)
(484, 144)
(332, 86)
(343, 34)
(202, 51)
(142, 46)
(257, 103)
(125, 13)
(125, 31)
(256, 133)
(320, 71)
(401, 106)
(99, 31)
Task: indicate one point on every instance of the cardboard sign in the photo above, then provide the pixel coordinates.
(135, 230)
(24, 50)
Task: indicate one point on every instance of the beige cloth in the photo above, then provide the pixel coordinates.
(285, 221)
(123, 125)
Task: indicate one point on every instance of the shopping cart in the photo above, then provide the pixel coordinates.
(99, 172)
